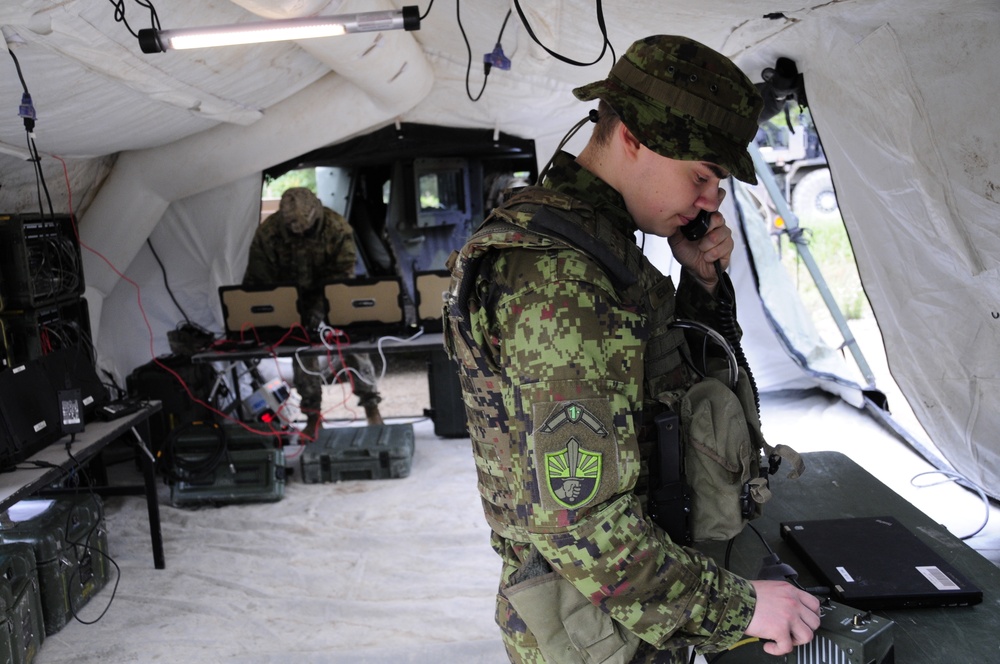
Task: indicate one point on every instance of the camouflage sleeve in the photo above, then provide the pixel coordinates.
(262, 265)
(341, 251)
(573, 356)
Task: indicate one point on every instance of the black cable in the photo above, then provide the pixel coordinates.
(166, 283)
(154, 20)
(27, 112)
(17, 65)
(196, 466)
(730, 330)
(600, 22)
(431, 4)
(88, 550)
(468, 50)
(487, 66)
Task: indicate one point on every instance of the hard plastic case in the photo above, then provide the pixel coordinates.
(250, 468)
(70, 543)
(358, 453)
(20, 604)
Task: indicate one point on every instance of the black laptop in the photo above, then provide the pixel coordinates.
(877, 563)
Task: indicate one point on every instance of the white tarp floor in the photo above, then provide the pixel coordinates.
(385, 571)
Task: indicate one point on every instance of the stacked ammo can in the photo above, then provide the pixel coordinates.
(54, 559)
(20, 604)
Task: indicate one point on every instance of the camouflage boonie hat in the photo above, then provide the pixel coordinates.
(300, 208)
(683, 100)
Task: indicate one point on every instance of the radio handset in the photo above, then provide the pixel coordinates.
(697, 227)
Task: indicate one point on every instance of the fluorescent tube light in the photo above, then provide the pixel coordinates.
(158, 41)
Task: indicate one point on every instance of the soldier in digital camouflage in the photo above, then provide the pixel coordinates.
(561, 331)
(308, 244)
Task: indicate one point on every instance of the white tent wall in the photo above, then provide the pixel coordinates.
(205, 239)
(921, 206)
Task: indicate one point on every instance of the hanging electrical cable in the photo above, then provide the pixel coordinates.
(119, 6)
(496, 58)
(600, 22)
(26, 110)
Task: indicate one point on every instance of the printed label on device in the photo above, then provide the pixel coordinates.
(938, 578)
(843, 573)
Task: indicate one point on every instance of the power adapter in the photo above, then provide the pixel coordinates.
(71, 410)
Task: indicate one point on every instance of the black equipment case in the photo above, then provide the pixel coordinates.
(221, 465)
(358, 453)
(70, 543)
(20, 604)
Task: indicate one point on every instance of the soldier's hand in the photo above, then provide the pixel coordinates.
(699, 256)
(784, 615)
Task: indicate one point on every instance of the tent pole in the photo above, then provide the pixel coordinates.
(766, 176)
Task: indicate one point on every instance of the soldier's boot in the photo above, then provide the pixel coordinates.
(374, 417)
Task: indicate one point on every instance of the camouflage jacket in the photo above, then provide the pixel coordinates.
(324, 253)
(553, 354)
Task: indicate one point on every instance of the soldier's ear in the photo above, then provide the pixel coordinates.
(629, 144)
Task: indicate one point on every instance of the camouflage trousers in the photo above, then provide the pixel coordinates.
(309, 379)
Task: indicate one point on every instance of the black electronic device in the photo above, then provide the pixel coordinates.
(846, 635)
(695, 229)
(73, 369)
(29, 413)
(120, 408)
(877, 563)
(40, 261)
(33, 333)
(71, 411)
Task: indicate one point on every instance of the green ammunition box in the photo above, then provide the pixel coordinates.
(358, 453)
(20, 604)
(226, 465)
(70, 543)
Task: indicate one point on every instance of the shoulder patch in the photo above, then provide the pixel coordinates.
(576, 453)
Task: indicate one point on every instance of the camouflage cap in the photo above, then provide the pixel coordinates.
(300, 208)
(683, 100)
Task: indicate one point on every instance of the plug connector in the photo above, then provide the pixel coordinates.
(27, 111)
(772, 569)
(497, 58)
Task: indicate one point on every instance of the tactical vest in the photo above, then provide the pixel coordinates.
(542, 218)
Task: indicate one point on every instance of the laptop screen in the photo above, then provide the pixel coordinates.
(877, 563)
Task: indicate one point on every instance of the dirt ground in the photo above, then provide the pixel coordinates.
(404, 388)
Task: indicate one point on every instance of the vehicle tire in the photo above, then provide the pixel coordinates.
(814, 196)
